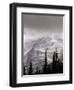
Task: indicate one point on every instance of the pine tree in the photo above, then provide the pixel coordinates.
(30, 69)
(45, 65)
(55, 62)
(24, 71)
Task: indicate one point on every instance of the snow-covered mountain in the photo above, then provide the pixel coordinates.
(35, 50)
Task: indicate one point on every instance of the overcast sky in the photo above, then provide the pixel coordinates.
(36, 26)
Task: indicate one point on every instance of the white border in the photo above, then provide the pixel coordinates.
(43, 78)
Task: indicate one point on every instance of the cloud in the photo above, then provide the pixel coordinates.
(42, 23)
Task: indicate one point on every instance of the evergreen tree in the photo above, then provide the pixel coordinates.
(45, 65)
(24, 71)
(30, 69)
(55, 62)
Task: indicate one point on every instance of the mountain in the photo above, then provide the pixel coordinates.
(35, 51)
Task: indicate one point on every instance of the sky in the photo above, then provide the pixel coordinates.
(36, 26)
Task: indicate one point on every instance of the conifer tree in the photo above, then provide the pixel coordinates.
(30, 69)
(24, 71)
(45, 65)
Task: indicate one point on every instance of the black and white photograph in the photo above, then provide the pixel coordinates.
(42, 44)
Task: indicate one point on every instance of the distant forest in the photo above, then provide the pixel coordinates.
(53, 68)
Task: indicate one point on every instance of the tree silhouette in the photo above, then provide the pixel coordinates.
(30, 69)
(57, 65)
(24, 71)
(54, 62)
(45, 65)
